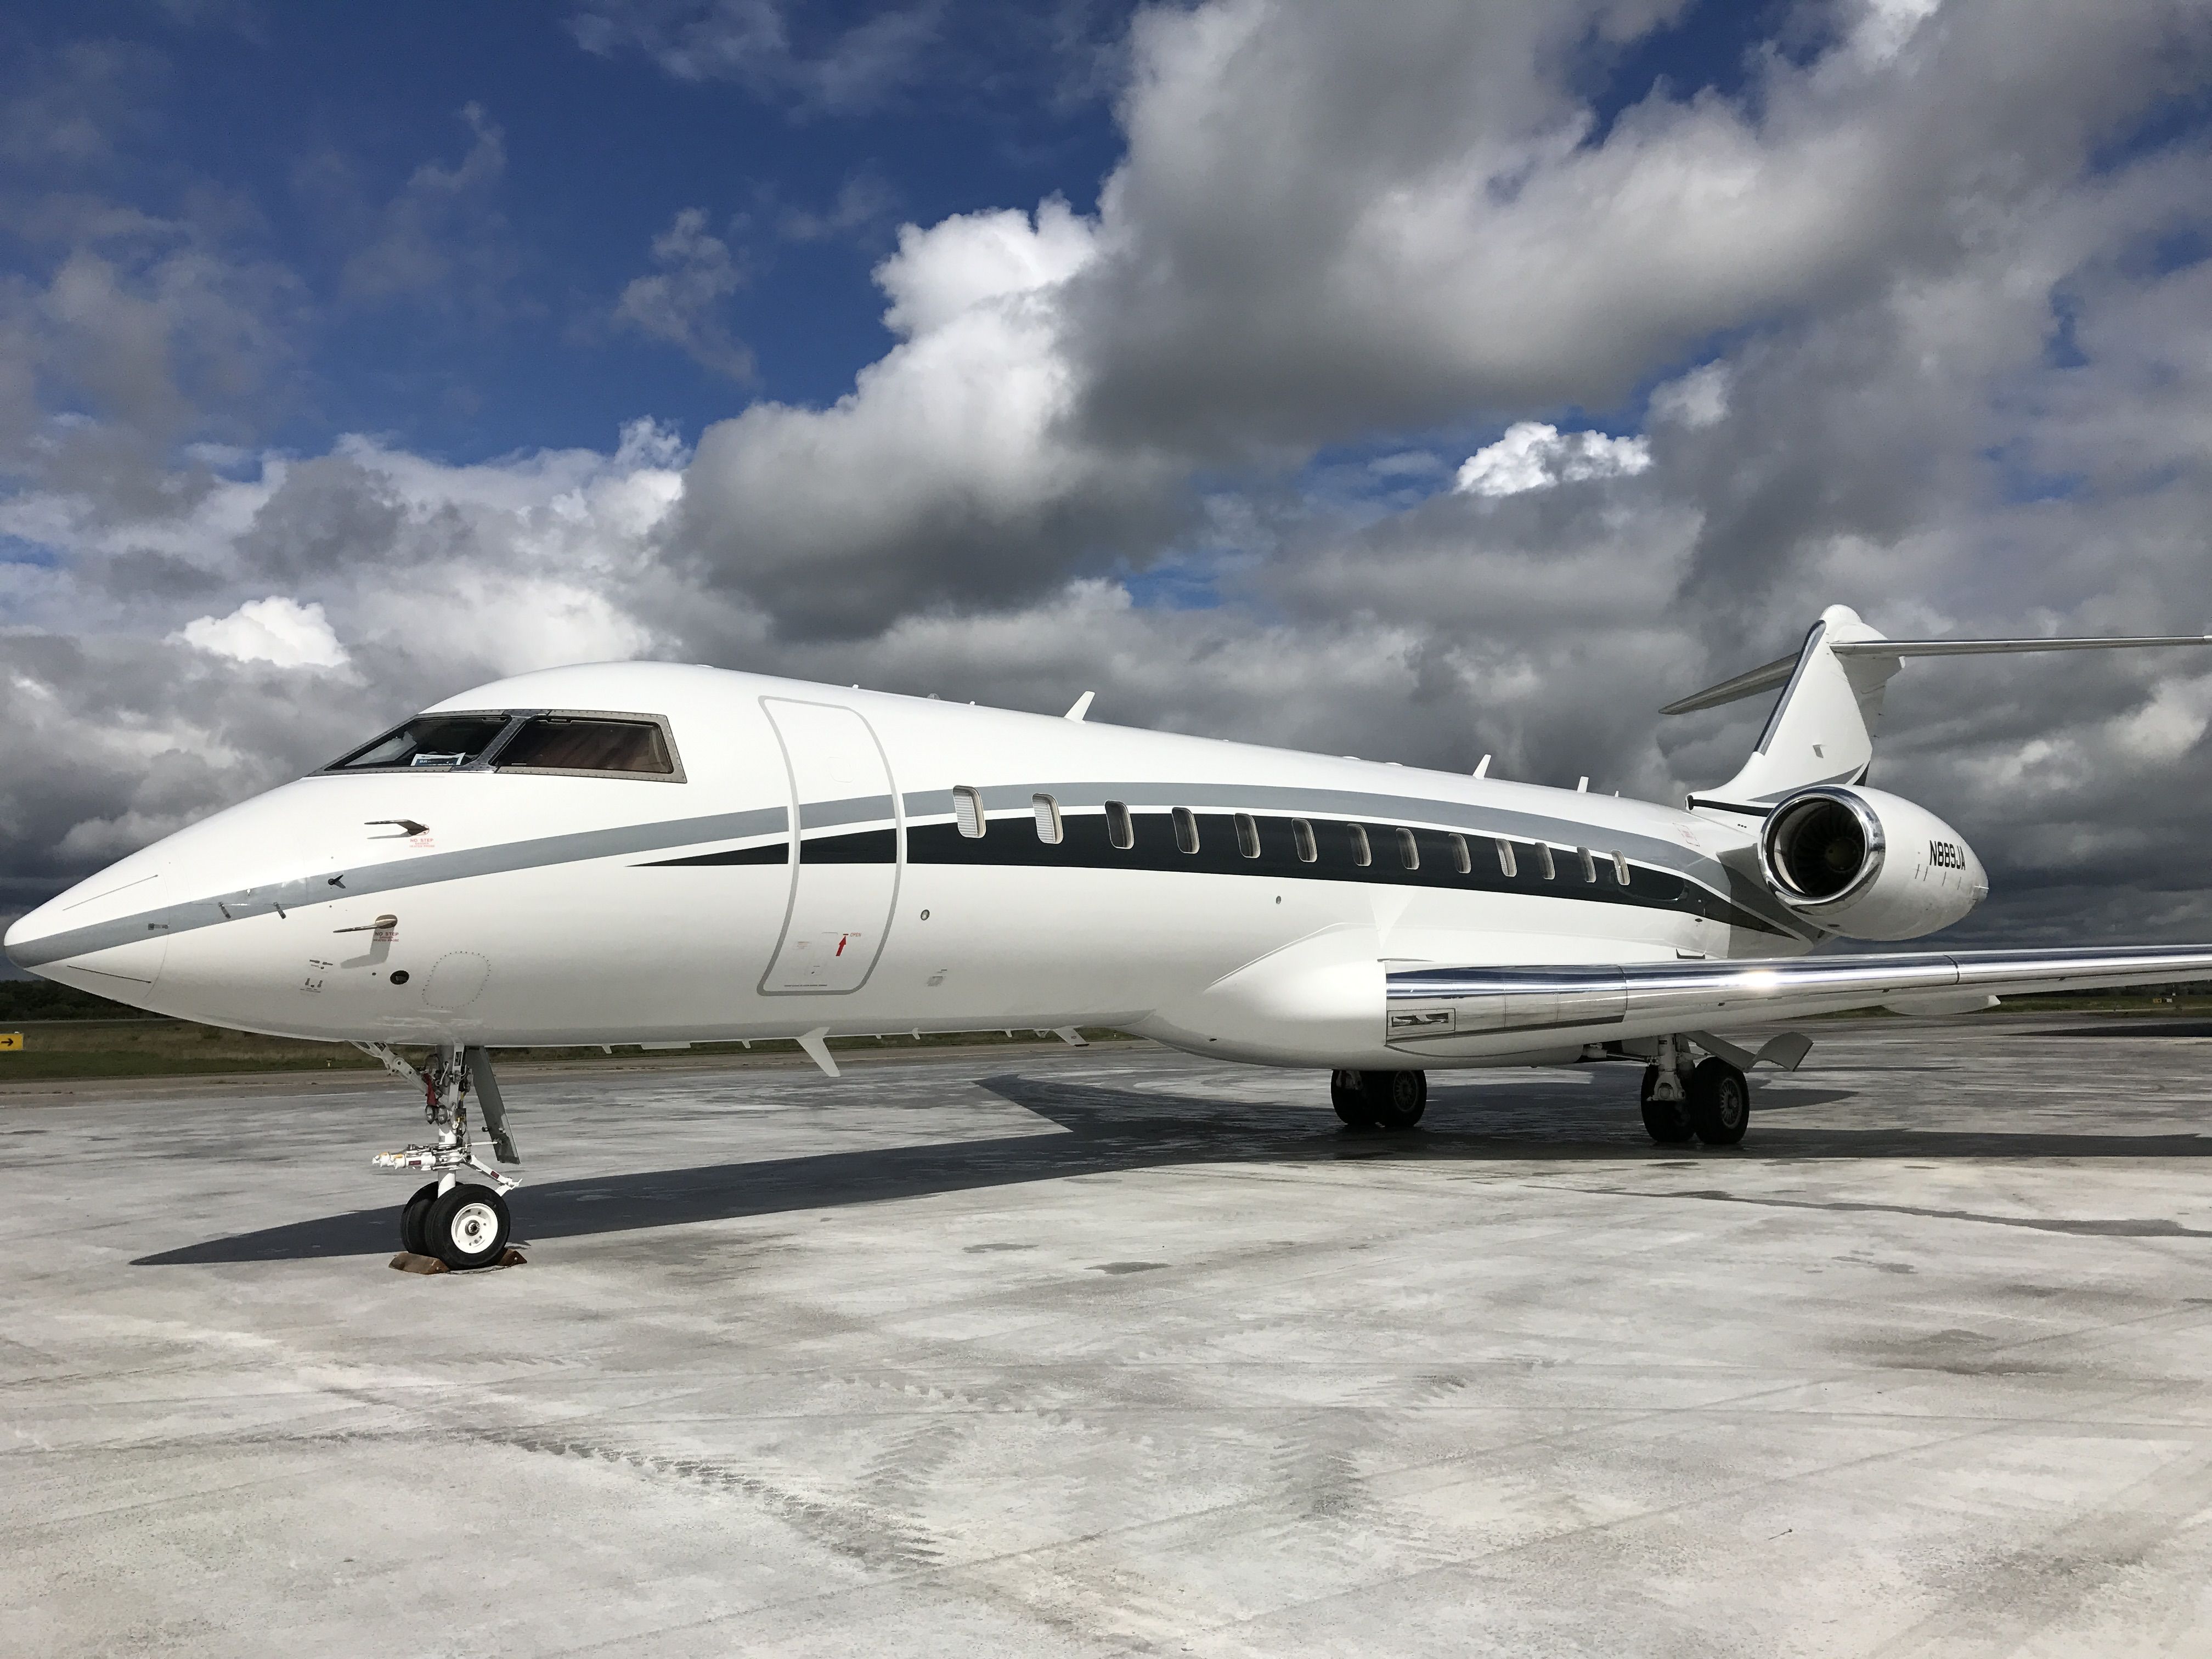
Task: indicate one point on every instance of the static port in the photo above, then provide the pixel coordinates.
(399, 977)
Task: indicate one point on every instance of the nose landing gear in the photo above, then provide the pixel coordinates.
(463, 1222)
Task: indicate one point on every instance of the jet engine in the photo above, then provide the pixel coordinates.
(1866, 864)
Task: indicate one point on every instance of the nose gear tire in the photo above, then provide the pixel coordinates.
(1720, 1103)
(468, 1227)
(414, 1237)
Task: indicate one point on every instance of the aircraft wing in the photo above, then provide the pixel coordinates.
(1428, 1002)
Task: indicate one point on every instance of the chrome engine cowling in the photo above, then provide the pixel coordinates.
(1864, 863)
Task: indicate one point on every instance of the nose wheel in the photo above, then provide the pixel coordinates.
(467, 1226)
(413, 1215)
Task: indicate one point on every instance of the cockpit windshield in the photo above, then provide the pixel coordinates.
(574, 744)
(429, 740)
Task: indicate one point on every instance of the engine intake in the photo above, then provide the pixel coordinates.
(1864, 863)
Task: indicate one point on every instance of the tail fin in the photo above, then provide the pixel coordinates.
(1822, 729)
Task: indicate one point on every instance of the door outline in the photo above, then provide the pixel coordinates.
(797, 810)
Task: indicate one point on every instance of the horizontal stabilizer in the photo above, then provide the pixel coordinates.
(1770, 675)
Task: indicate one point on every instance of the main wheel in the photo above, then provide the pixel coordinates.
(1666, 1121)
(1395, 1099)
(1720, 1103)
(412, 1237)
(1350, 1100)
(468, 1227)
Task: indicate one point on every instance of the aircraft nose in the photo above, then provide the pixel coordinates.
(23, 933)
(25, 928)
(98, 935)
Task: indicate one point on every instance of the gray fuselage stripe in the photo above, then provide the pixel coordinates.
(622, 839)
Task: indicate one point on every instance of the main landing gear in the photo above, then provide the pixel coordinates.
(1709, 1101)
(1379, 1100)
(462, 1221)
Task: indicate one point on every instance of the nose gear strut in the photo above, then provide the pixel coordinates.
(464, 1223)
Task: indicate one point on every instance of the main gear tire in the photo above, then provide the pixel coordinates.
(1395, 1099)
(1720, 1103)
(1350, 1100)
(1666, 1121)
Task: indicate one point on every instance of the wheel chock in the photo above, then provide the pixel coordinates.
(408, 1262)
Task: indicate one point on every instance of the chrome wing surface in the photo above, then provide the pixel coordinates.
(1647, 998)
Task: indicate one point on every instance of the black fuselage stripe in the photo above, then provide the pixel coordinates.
(1012, 842)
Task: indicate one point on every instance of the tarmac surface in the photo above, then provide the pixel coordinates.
(1033, 1353)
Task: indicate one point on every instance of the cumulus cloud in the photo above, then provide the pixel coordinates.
(681, 303)
(274, 630)
(950, 471)
(1535, 455)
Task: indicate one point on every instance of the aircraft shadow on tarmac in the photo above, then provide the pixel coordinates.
(1111, 1131)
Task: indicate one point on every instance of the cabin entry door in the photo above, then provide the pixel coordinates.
(845, 849)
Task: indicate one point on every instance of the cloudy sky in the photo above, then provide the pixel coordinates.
(1418, 380)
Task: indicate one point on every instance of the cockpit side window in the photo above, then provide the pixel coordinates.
(439, 741)
(623, 746)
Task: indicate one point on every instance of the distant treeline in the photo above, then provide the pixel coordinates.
(41, 999)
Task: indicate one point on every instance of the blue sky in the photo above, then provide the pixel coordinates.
(300, 115)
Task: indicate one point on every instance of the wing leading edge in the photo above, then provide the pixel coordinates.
(1425, 1003)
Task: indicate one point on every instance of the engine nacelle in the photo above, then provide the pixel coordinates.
(1866, 864)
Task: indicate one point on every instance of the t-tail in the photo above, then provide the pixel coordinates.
(1823, 727)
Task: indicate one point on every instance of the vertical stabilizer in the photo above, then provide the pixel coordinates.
(1822, 731)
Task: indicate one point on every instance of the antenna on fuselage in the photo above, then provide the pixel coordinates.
(1082, 707)
(1482, 767)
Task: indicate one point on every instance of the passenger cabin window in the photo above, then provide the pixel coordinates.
(429, 740)
(1462, 859)
(1047, 819)
(1186, 829)
(580, 743)
(1409, 850)
(1545, 866)
(1505, 860)
(1302, 837)
(1621, 869)
(1590, 864)
(1361, 853)
(1119, 829)
(968, 812)
(1248, 836)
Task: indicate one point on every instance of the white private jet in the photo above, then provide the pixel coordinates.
(658, 854)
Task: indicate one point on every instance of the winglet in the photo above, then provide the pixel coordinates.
(818, 1051)
(1082, 707)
